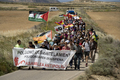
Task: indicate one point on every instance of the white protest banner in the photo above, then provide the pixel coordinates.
(59, 28)
(51, 59)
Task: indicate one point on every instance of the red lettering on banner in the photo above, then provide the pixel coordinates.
(35, 63)
(26, 63)
(32, 63)
(42, 64)
(46, 65)
(21, 62)
(62, 66)
(16, 61)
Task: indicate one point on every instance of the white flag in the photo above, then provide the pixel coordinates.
(59, 28)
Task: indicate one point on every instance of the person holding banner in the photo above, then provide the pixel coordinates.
(55, 47)
(43, 46)
(77, 55)
(31, 46)
(72, 47)
(19, 45)
(36, 45)
(66, 47)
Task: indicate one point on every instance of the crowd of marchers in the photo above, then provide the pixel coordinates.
(72, 38)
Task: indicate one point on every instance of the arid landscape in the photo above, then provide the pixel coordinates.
(12, 22)
(108, 21)
(104, 17)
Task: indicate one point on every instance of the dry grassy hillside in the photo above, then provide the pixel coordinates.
(16, 22)
(108, 21)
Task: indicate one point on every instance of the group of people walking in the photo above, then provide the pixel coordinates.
(72, 38)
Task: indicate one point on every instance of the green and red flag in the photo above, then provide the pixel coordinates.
(38, 16)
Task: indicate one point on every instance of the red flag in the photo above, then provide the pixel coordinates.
(69, 15)
(64, 15)
(45, 16)
(60, 23)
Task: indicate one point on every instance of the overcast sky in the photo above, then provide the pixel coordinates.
(65, 0)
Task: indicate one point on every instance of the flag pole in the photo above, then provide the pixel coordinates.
(47, 21)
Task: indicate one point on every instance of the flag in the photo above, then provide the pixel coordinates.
(65, 15)
(69, 15)
(76, 17)
(59, 28)
(45, 16)
(43, 36)
(60, 23)
(80, 18)
(67, 26)
(38, 16)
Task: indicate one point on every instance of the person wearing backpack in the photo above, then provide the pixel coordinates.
(86, 48)
(95, 37)
(92, 49)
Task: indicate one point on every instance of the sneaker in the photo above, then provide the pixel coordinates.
(86, 64)
(43, 68)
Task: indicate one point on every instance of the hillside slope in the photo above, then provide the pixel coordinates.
(32, 1)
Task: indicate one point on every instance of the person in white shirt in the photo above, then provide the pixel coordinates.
(36, 45)
(86, 50)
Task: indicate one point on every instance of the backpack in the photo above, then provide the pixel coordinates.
(96, 37)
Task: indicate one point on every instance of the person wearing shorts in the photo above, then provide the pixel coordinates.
(86, 47)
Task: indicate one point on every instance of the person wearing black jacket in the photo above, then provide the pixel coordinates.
(43, 46)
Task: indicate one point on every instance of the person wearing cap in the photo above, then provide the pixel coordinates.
(66, 47)
(86, 47)
(55, 37)
(43, 46)
(55, 47)
(80, 43)
(77, 56)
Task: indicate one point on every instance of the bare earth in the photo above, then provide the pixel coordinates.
(17, 21)
(108, 21)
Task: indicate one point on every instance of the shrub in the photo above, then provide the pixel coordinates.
(32, 7)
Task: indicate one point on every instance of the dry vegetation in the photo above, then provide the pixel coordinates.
(109, 60)
(16, 22)
(107, 66)
(108, 21)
